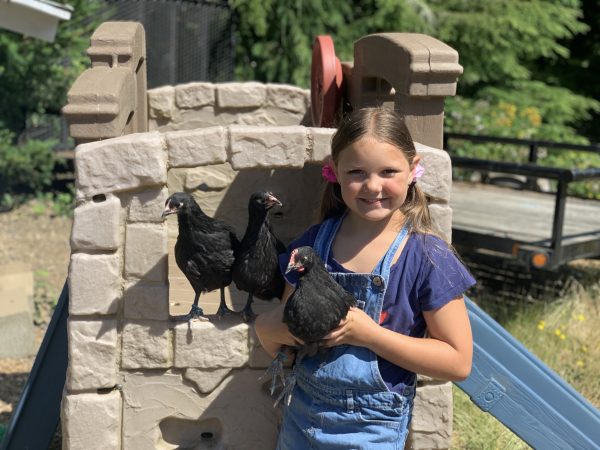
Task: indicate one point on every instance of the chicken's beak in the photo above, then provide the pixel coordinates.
(168, 210)
(272, 201)
(292, 266)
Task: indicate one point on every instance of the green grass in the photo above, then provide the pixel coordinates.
(565, 335)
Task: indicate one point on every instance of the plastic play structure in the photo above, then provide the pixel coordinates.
(129, 377)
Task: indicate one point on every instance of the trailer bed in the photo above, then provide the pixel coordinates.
(496, 218)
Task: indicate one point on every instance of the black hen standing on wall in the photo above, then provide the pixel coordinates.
(256, 267)
(205, 249)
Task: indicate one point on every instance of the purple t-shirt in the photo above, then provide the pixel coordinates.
(426, 276)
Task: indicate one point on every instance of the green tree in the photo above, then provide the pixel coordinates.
(502, 46)
(579, 72)
(34, 78)
(35, 75)
(274, 38)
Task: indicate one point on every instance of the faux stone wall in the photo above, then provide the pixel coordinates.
(200, 105)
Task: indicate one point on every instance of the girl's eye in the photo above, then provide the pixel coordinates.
(389, 172)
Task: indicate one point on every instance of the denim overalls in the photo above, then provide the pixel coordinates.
(340, 400)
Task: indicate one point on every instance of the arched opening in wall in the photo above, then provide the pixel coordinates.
(377, 91)
(223, 193)
(183, 433)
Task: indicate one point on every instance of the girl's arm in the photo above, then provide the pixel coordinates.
(446, 353)
(271, 331)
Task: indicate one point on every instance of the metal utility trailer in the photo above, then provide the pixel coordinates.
(544, 230)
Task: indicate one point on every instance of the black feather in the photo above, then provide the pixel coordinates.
(256, 267)
(205, 249)
(318, 303)
(314, 309)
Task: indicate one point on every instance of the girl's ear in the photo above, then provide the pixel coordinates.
(334, 168)
(415, 162)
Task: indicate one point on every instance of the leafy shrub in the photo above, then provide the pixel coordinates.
(503, 119)
(25, 168)
(59, 204)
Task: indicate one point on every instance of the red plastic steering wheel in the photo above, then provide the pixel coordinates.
(326, 82)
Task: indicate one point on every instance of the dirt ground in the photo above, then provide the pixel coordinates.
(32, 234)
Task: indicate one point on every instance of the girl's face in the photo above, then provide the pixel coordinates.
(374, 177)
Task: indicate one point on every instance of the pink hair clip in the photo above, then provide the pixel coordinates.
(328, 173)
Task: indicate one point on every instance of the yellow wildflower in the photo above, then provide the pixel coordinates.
(541, 325)
(509, 109)
(532, 115)
(503, 122)
(580, 363)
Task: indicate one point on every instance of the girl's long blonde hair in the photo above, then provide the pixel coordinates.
(387, 126)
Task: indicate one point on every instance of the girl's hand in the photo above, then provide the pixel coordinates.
(270, 323)
(355, 329)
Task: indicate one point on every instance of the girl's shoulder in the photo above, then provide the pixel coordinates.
(306, 238)
(441, 275)
(430, 253)
(430, 246)
(310, 235)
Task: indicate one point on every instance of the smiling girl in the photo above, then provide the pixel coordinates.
(376, 241)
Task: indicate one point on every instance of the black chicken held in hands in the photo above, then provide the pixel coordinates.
(315, 308)
(318, 303)
(256, 266)
(205, 250)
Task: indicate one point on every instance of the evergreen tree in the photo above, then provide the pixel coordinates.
(502, 46)
(274, 37)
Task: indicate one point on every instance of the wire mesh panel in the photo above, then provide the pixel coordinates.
(185, 40)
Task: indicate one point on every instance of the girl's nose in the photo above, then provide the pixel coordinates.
(372, 184)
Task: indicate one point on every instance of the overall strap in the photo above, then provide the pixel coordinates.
(324, 239)
(384, 265)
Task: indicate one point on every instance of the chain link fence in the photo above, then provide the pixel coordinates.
(185, 40)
